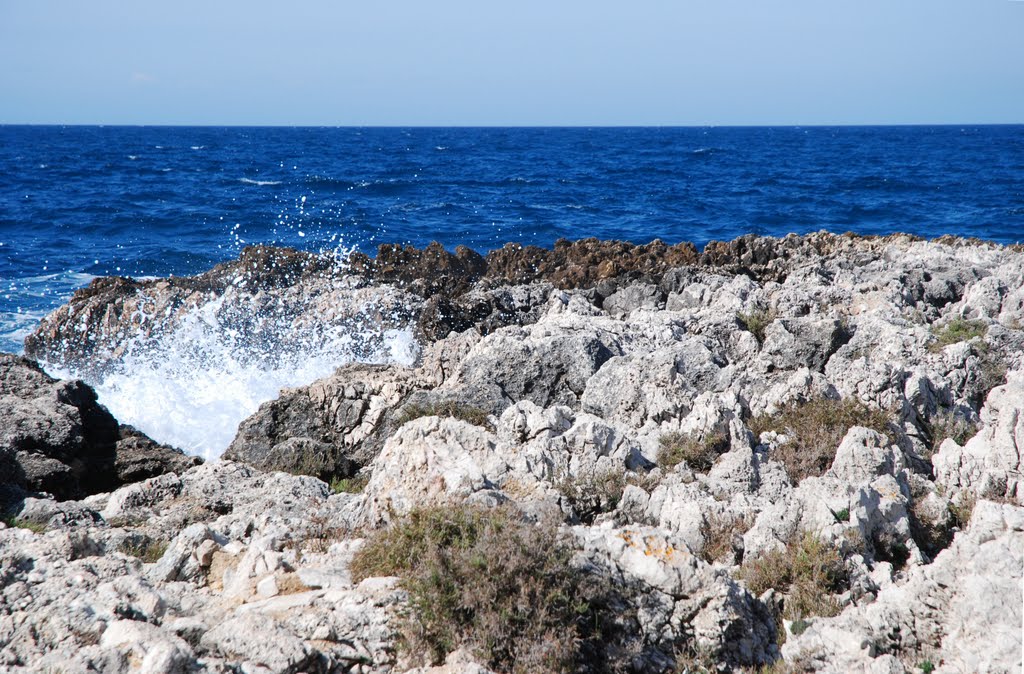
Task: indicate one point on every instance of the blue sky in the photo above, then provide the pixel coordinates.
(455, 62)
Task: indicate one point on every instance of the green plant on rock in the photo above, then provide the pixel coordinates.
(756, 322)
(21, 523)
(144, 548)
(447, 408)
(814, 430)
(699, 452)
(955, 331)
(592, 493)
(349, 485)
(808, 571)
(990, 373)
(487, 581)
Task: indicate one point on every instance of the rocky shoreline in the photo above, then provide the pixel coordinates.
(795, 454)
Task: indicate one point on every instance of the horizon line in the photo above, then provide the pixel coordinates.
(510, 126)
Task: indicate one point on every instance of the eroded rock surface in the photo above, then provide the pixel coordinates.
(803, 451)
(56, 438)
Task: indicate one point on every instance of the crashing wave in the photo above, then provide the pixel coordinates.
(185, 360)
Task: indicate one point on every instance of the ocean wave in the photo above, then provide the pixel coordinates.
(15, 326)
(191, 384)
(327, 181)
(250, 181)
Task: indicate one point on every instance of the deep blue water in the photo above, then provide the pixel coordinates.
(82, 201)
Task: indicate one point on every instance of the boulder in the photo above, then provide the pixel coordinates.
(58, 439)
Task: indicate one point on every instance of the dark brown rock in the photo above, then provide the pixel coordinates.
(56, 438)
(328, 429)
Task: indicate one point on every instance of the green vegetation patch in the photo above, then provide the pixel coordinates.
(699, 452)
(20, 523)
(955, 331)
(147, 549)
(814, 430)
(447, 408)
(756, 322)
(808, 571)
(349, 485)
(487, 581)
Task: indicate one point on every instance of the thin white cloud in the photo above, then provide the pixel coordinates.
(142, 78)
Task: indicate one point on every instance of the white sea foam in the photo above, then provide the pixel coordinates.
(190, 387)
(250, 181)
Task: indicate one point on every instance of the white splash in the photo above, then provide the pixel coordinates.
(191, 387)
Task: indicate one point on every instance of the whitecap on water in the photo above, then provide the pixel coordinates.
(250, 181)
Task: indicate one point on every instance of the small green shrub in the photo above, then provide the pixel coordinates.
(814, 430)
(699, 453)
(945, 425)
(146, 549)
(447, 408)
(926, 667)
(592, 494)
(842, 515)
(756, 322)
(808, 571)
(957, 330)
(20, 523)
(349, 485)
(799, 626)
(487, 581)
(962, 509)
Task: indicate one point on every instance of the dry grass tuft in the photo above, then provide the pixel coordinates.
(592, 494)
(720, 532)
(808, 571)
(814, 430)
(945, 425)
(699, 453)
(146, 549)
(447, 408)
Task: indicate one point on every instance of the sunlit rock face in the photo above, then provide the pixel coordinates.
(697, 426)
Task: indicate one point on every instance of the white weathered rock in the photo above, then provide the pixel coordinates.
(991, 464)
(432, 461)
(962, 611)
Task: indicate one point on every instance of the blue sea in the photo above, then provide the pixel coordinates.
(80, 202)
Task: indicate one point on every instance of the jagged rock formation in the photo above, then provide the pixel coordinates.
(806, 448)
(55, 438)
